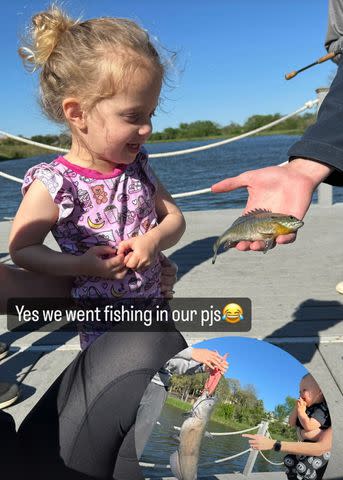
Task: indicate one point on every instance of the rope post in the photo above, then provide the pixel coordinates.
(324, 190)
(253, 454)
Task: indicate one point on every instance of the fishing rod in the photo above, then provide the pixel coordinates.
(290, 75)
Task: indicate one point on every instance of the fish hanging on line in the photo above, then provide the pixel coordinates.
(184, 461)
(257, 225)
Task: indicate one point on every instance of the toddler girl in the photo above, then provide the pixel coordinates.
(105, 207)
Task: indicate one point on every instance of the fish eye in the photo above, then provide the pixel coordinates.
(291, 217)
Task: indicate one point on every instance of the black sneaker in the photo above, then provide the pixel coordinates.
(9, 393)
(3, 350)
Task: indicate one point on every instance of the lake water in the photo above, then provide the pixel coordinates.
(162, 444)
(183, 173)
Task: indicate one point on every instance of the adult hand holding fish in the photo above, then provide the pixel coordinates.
(283, 189)
(211, 359)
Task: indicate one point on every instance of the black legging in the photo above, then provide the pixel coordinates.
(83, 427)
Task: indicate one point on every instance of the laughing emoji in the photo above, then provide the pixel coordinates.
(232, 313)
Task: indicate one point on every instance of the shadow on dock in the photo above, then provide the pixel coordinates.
(193, 254)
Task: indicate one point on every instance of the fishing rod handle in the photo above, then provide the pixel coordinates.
(290, 75)
(326, 57)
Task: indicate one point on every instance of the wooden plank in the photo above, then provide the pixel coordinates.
(48, 367)
(16, 365)
(333, 357)
(236, 476)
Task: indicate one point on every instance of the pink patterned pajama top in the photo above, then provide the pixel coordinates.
(102, 209)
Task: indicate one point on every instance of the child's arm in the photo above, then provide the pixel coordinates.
(35, 217)
(171, 225)
(307, 423)
(144, 248)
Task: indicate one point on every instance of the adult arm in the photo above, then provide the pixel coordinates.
(323, 141)
(334, 36)
(324, 444)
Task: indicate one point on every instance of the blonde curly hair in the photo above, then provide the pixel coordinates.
(90, 60)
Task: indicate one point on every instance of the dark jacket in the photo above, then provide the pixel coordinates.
(323, 141)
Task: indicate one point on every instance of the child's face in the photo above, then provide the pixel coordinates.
(310, 391)
(117, 127)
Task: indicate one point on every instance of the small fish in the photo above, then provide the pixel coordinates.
(184, 461)
(257, 225)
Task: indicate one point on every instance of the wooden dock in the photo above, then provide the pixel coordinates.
(294, 304)
(239, 476)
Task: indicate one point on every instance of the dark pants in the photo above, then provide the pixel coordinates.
(79, 427)
(8, 446)
(301, 467)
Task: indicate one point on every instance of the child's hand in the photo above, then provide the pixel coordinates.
(210, 358)
(301, 405)
(93, 264)
(139, 252)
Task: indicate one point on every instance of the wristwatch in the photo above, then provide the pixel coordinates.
(277, 446)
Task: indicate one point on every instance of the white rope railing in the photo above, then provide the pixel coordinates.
(220, 460)
(219, 434)
(11, 177)
(269, 461)
(308, 105)
(31, 142)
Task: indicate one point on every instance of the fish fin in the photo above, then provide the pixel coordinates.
(229, 244)
(256, 211)
(269, 243)
(251, 213)
(175, 465)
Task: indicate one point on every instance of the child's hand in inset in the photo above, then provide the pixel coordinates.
(139, 252)
(301, 405)
(93, 263)
(210, 358)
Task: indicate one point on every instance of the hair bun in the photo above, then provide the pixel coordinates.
(46, 30)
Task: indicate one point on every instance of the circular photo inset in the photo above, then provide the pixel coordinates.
(229, 405)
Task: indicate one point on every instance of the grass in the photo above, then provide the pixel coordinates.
(11, 152)
(185, 406)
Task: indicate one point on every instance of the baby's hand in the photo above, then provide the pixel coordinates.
(140, 252)
(93, 264)
(210, 358)
(301, 405)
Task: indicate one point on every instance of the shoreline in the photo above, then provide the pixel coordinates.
(15, 152)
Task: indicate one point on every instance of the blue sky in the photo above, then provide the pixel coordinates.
(273, 372)
(232, 57)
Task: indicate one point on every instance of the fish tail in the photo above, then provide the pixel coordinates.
(175, 465)
(215, 250)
